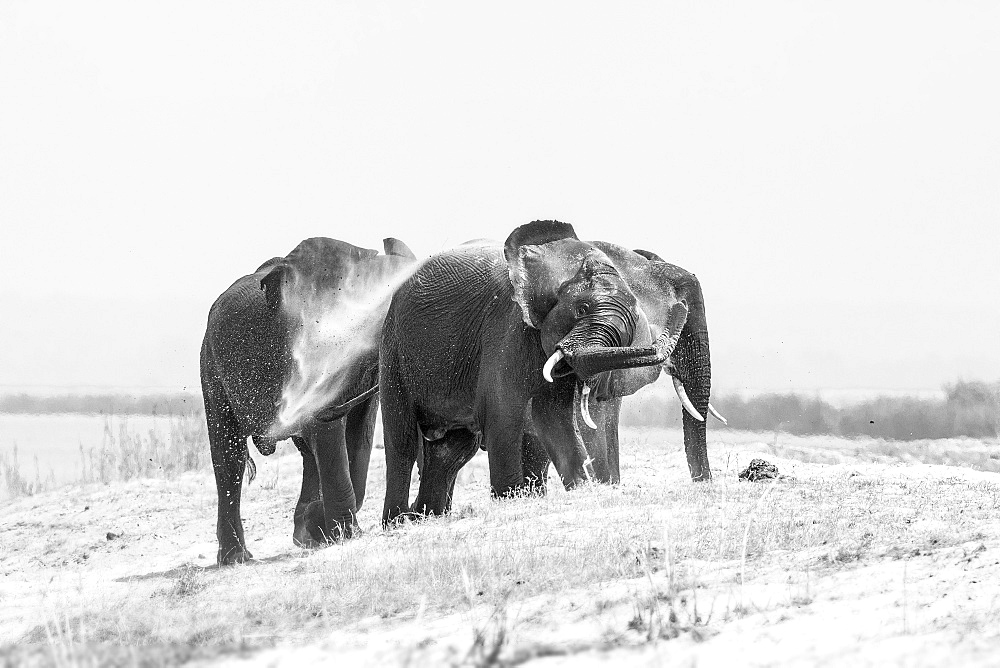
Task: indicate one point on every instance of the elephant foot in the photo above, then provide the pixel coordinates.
(233, 555)
(401, 518)
(436, 508)
(531, 488)
(319, 536)
(311, 539)
(310, 526)
(511, 492)
(341, 531)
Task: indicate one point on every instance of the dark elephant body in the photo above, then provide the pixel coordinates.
(246, 363)
(444, 387)
(473, 335)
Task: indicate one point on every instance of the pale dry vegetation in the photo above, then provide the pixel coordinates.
(657, 562)
(124, 453)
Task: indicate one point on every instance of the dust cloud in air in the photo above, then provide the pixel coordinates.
(334, 327)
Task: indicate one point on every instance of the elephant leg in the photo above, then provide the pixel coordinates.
(401, 442)
(443, 459)
(503, 435)
(360, 433)
(340, 508)
(310, 521)
(534, 464)
(599, 441)
(552, 413)
(229, 456)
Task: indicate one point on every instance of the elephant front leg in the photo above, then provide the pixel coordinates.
(339, 503)
(534, 464)
(443, 459)
(553, 415)
(503, 435)
(310, 519)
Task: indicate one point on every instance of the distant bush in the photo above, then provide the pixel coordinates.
(103, 404)
(970, 408)
(16, 483)
(127, 454)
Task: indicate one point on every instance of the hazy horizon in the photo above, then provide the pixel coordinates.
(829, 172)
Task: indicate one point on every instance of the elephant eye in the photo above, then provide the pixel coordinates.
(582, 309)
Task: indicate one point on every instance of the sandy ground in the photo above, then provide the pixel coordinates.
(932, 599)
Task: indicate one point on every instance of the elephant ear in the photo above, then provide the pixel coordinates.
(396, 247)
(649, 255)
(325, 262)
(272, 280)
(538, 263)
(317, 264)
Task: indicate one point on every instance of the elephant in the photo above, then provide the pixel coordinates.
(252, 350)
(658, 285)
(471, 337)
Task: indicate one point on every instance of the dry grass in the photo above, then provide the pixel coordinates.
(125, 453)
(16, 483)
(653, 560)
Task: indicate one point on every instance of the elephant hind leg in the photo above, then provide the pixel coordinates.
(229, 458)
(309, 519)
(360, 432)
(401, 445)
(442, 461)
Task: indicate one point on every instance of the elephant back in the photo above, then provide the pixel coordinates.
(326, 263)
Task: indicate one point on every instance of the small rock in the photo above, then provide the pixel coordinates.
(760, 469)
(112, 535)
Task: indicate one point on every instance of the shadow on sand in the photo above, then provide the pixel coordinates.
(178, 571)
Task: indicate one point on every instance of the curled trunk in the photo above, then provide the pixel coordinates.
(693, 367)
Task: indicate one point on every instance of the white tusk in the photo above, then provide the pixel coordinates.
(711, 409)
(585, 407)
(688, 406)
(551, 363)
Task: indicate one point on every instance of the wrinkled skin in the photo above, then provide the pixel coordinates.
(657, 285)
(246, 359)
(463, 348)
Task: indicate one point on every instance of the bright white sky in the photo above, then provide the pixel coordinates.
(831, 171)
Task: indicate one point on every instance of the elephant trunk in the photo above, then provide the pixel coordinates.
(692, 365)
(588, 362)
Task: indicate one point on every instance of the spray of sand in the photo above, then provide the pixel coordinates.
(334, 328)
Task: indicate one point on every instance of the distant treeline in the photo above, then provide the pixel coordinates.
(103, 404)
(970, 408)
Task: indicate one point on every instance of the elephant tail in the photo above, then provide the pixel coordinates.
(251, 467)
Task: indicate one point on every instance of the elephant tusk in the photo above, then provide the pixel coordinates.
(688, 406)
(585, 407)
(715, 413)
(551, 364)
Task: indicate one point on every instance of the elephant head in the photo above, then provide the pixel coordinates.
(587, 316)
(659, 288)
